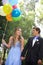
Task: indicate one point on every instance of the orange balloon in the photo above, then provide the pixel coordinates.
(8, 17)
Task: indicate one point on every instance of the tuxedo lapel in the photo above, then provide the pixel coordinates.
(35, 40)
(32, 41)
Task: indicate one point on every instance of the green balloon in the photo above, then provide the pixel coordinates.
(16, 18)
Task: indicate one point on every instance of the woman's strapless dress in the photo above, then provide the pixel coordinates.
(14, 55)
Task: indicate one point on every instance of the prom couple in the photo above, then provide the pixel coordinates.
(32, 53)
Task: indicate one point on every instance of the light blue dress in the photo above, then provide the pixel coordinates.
(14, 55)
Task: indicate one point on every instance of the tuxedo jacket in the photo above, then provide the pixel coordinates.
(35, 52)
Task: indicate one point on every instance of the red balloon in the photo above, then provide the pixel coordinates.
(14, 7)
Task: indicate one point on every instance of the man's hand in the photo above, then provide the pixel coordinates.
(39, 61)
(22, 58)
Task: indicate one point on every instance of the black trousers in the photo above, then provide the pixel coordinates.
(29, 63)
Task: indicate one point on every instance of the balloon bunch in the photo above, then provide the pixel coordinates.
(10, 10)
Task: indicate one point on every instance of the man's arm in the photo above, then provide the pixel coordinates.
(41, 49)
(40, 57)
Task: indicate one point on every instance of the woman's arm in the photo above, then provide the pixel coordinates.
(22, 44)
(9, 43)
(25, 48)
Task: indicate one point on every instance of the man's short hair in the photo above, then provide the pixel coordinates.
(37, 29)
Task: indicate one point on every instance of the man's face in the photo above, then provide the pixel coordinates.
(34, 32)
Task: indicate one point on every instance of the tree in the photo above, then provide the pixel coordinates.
(41, 1)
(0, 2)
(2, 26)
(26, 22)
(39, 12)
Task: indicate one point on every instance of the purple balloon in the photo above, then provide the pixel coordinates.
(5, 2)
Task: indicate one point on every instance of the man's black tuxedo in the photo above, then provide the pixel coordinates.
(33, 54)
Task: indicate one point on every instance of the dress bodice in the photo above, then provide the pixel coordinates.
(17, 44)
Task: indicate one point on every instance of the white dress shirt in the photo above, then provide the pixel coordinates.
(34, 40)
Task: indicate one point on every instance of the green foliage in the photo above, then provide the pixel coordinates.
(41, 1)
(40, 11)
(0, 2)
(2, 26)
(26, 22)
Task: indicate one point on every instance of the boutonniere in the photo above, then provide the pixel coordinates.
(37, 40)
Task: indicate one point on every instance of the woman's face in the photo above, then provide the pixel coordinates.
(18, 32)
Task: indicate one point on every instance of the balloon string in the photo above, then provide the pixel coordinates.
(5, 30)
(4, 48)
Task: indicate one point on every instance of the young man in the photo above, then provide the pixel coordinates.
(33, 49)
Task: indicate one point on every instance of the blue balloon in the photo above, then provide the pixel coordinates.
(16, 12)
(13, 2)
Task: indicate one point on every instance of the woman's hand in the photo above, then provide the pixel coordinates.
(3, 42)
(22, 58)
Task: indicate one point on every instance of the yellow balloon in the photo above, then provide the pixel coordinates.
(7, 9)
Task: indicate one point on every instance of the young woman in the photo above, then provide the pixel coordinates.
(17, 44)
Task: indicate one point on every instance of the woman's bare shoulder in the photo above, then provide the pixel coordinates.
(11, 37)
(22, 38)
